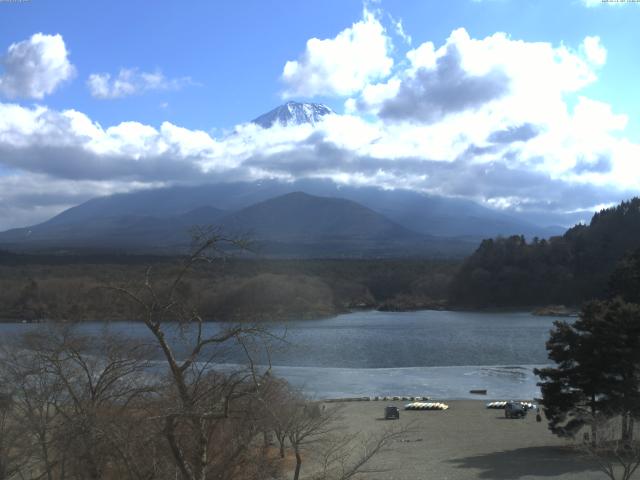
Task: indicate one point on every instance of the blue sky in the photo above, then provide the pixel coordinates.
(235, 51)
(192, 72)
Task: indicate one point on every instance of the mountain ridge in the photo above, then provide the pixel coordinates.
(293, 224)
(140, 217)
(293, 113)
(433, 218)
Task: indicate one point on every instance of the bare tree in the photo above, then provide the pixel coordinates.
(95, 407)
(308, 424)
(312, 428)
(14, 446)
(35, 403)
(617, 456)
(201, 424)
(101, 378)
(74, 399)
(346, 456)
(277, 404)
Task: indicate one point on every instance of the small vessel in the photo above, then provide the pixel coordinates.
(426, 406)
(479, 391)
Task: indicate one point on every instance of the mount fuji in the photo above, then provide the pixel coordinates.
(293, 113)
(307, 217)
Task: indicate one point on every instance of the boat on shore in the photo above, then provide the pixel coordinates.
(479, 391)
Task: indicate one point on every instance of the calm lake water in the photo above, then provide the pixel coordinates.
(441, 354)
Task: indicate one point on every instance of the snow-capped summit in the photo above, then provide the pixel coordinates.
(293, 113)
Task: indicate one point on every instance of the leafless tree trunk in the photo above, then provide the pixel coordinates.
(308, 425)
(14, 449)
(36, 398)
(204, 402)
(74, 396)
(346, 456)
(617, 456)
(93, 407)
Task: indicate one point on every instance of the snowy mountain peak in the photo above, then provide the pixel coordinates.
(293, 113)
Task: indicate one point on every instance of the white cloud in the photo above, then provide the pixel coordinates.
(343, 65)
(594, 51)
(526, 79)
(519, 146)
(422, 57)
(131, 81)
(24, 201)
(35, 67)
(400, 31)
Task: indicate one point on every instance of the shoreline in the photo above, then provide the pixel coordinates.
(534, 311)
(465, 442)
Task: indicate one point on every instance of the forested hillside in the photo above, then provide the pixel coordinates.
(509, 272)
(36, 287)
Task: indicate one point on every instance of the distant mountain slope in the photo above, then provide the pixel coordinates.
(299, 216)
(433, 215)
(293, 113)
(299, 224)
(137, 232)
(564, 270)
(294, 224)
(430, 215)
(159, 203)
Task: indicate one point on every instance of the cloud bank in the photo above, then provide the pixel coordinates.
(498, 120)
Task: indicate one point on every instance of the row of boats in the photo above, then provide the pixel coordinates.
(503, 404)
(444, 406)
(426, 406)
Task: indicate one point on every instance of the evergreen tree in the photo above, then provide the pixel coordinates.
(563, 270)
(620, 336)
(597, 372)
(625, 280)
(574, 393)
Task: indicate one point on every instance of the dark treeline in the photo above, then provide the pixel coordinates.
(235, 289)
(511, 272)
(79, 257)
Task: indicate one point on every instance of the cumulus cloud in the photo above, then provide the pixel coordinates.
(35, 67)
(594, 50)
(342, 65)
(77, 158)
(520, 133)
(600, 164)
(489, 121)
(430, 94)
(131, 81)
(505, 77)
(70, 145)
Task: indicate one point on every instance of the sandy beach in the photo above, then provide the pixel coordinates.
(467, 441)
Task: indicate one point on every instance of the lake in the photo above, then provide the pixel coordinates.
(442, 354)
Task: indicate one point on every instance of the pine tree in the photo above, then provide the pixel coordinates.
(625, 280)
(597, 371)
